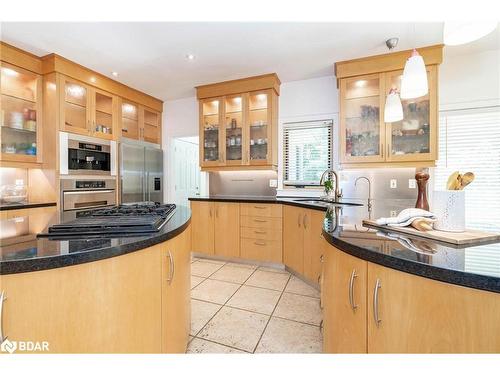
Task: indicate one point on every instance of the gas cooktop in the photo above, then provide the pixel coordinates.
(126, 219)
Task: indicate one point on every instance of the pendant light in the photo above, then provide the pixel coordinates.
(393, 110)
(414, 82)
(456, 33)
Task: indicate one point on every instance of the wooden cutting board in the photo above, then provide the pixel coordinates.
(468, 237)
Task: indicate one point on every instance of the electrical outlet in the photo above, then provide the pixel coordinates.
(394, 213)
(273, 183)
(394, 183)
(412, 183)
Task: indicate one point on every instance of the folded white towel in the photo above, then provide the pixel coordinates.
(406, 217)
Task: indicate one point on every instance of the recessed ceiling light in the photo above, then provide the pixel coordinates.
(115, 74)
(190, 56)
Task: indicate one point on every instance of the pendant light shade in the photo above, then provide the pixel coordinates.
(393, 111)
(456, 33)
(414, 82)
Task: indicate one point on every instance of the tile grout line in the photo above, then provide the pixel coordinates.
(218, 343)
(275, 306)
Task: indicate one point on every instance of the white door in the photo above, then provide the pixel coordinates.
(188, 177)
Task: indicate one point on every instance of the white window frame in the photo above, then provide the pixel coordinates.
(310, 191)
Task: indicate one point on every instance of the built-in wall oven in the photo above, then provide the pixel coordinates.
(81, 195)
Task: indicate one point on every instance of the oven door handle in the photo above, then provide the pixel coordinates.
(87, 192)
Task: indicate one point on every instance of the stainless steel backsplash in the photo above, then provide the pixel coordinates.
(242, 183)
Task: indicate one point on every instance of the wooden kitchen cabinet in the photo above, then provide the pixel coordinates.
(107, 306)
(86, 110)
(216, 228)
(365, 139)
(303, 244)
(238, 124)
(140, 123)
(202, 224)
(20, 115)
(293, 238)
(227, 229)
(176, 293)
(419, 315)
(344, 297)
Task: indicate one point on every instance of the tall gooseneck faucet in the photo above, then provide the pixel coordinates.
(369, 190)
(338, 192)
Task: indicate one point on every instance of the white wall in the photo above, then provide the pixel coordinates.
(469, 80)
(180, 119)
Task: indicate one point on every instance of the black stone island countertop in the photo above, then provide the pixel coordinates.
(471, 266)
(21, 250)
(20, 206)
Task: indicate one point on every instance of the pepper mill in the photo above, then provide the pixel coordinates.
(422, 179)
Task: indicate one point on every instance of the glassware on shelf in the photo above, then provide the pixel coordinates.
(258, 126)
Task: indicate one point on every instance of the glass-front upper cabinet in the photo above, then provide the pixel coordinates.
(414, 137)
(259, 119)
(362, 126)
(20, 114)
(130, 120)
(102, 122)
(75, 105)
(233, 127)
(152, 127)
(210, 112)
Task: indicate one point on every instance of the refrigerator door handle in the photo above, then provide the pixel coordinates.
(148, 187)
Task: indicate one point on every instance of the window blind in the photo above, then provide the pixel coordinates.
(308, 150)
(469, 140)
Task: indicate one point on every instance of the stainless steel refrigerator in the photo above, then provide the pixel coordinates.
(141, 172)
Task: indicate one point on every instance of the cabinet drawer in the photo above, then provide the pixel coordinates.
(260, 222)
(259, 209)
(261, 233)
(263, 250)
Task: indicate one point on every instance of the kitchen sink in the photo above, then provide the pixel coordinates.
(324, 202)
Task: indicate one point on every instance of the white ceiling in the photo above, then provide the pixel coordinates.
(151, 56)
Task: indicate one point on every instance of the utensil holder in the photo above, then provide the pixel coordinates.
(449, 208)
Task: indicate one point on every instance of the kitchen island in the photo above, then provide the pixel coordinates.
(98, 294)
(385, 293)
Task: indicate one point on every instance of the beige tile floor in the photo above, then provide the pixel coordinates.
(240, 308)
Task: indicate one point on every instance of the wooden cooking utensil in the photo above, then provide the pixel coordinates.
(467, 178)
(454, 181)
(422, 225)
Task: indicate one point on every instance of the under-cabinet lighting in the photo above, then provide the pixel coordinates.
(215, 103)
(237, 100)
(75, 91)
(261, 96)
(10, 72)
(128, 108)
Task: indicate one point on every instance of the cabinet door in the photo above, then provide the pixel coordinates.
(420, 315)
(361, 119)
(260, 127)
(151, 126)
(176, 289)
(314, 244)
(234, 120)
(211, 142)
(202, 224)
(107, 306)
(415, 137)
(103, 114)
(75, 103)
(293, 238)
(130, 120)
(344, 301)
(227, 229)
(20, 120)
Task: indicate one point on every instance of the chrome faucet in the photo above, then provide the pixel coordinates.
(338, 192)
(369, 190)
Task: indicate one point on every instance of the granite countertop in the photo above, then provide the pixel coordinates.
(21, 250)
(17, 206)
(471, 266)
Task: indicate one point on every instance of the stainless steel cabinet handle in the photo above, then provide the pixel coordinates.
(210, 212)
(321, 258)
(298, 220)
(351, 291)
(321, 326)
(382, 149)
(87, 192)
(304, 221)
(260, 243)
(375, 303)
(260, 221)
(216, 212)
(259, 232)
(259, 207)
(2, 298)
(171, 267)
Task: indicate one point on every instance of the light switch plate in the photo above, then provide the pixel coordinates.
(394, 183)
(273, 183)
(412, 183)
(394, 213)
